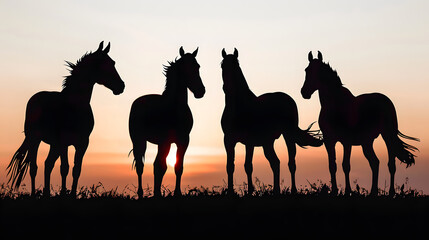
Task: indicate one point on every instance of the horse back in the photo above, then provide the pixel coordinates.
(361, 119)
(52, 118)
(261, 119)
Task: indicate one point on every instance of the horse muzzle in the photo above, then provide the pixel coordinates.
(200, 94)
(119, 90)
(305, 94)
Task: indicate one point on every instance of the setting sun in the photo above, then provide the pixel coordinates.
(171, 158)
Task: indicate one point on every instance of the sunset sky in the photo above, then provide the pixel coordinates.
(376, 46)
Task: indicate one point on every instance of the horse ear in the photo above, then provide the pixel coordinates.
(195, 52)
(181, 51)
(100, 47)
(310, 56)
(319, 56)
(107, 49)
(223, 53)
(235, 53)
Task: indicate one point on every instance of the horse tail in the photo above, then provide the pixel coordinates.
(18, 166)
(308, 137)
(402, 150)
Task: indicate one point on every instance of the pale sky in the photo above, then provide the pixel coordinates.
(376, 46)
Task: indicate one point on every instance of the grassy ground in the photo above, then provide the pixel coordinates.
(209, 212)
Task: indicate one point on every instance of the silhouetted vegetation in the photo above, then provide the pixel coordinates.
(211, 211)
(129, 192)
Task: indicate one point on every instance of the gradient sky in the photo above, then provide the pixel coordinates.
(376, 46)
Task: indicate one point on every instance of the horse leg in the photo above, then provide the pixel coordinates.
(64, 169)
(271, 155)
(78, 157)
(291, 148)
(32, 158)
(178, 167)
(346, 167)
(330, 148)
(230, 157)
(248, 167)
(139, 150)
(392, 169)
(391, 163)
(160, 167)
(374, 163)
(53, 155)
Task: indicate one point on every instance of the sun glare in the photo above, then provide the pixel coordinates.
(171, 157)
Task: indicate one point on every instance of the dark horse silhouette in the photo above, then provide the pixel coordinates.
(355, 121)
(258, 121)
(166, 119)
(64, 118)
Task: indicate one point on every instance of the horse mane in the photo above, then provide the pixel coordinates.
(331, 75)
(242, 79)
(73, 68)
(169, 72)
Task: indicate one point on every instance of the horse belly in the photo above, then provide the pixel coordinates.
(152, 120)
(161, 133)
(50, 119)
(251, 129)
(42, 119)
(77, 125)
(351, 127)
(257, 139)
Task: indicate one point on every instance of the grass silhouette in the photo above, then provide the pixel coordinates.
(129, 192)
(210, 212)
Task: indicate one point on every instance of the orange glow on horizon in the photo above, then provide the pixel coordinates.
(114, 170)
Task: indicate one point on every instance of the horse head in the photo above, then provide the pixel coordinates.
(230, 66)
(190, 71)
(312, 75)
(104, 71)
(230, 60)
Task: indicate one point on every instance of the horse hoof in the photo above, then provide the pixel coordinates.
(276, 191)
(347, 192)
(250, 190)
(231, 193)
(157, 194)
(63, 192)
(177, 193)
(46, 193)
(140, 193)
(373, 194)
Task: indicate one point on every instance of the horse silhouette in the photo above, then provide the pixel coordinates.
(64, 118)
(258, 121)
(166, 119)
(355, 121)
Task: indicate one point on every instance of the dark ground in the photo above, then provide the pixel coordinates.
(215, 216)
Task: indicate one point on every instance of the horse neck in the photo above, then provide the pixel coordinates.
(335, 95)
(78, 89)
(241, 92)
(176, 91)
